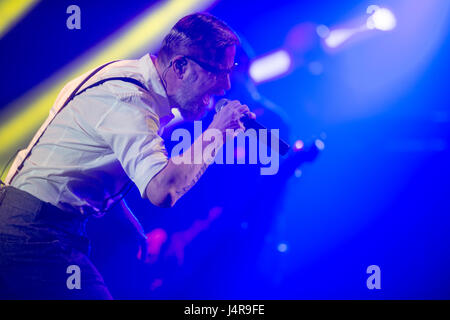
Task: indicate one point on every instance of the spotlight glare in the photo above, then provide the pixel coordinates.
(382, 19)
(282, 247)
(298, 145)
(322, 31)
(319, 144)
(11, 11)
(338, 36)
(270, 66)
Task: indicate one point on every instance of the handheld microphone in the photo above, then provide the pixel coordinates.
(250, 123)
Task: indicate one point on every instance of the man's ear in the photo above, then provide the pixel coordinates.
(179, 66)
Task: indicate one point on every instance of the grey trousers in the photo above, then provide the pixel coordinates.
(44, 251)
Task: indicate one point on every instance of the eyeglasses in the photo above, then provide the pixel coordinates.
(213, 69)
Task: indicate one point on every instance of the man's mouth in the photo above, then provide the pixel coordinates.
(206, 100)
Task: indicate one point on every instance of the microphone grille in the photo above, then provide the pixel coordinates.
(220, 104)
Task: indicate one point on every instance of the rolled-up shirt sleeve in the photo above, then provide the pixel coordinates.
(130, 128)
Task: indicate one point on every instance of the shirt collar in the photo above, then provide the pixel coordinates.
(153, 83)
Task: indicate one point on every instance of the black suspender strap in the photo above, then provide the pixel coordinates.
(71, 96)
(74, 92)
(126, 79)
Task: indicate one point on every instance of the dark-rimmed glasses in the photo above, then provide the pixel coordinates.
(213, 69)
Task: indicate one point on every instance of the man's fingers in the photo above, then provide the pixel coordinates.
(243, 109)
(234, 112)
(251, 115)
(232, 104)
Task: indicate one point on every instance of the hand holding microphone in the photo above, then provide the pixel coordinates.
(229, 115)
(242, 118)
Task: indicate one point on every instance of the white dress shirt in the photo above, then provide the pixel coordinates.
(102, 139)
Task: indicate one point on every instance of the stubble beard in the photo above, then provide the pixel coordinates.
(190, 107)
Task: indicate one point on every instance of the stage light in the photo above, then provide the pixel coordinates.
(322, 31)
(282, 247)
(11, 11)
(339, 36)
(319, 144)
(298, 173)
(381, 18)
(270, 66)
(298, 145)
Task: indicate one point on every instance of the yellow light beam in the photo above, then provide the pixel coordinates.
(11, 11)
(143, 34)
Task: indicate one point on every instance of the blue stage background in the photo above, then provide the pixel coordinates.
(377, 194)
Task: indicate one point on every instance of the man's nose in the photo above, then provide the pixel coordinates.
(224, 83)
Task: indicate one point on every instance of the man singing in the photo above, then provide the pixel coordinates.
(102, 135)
